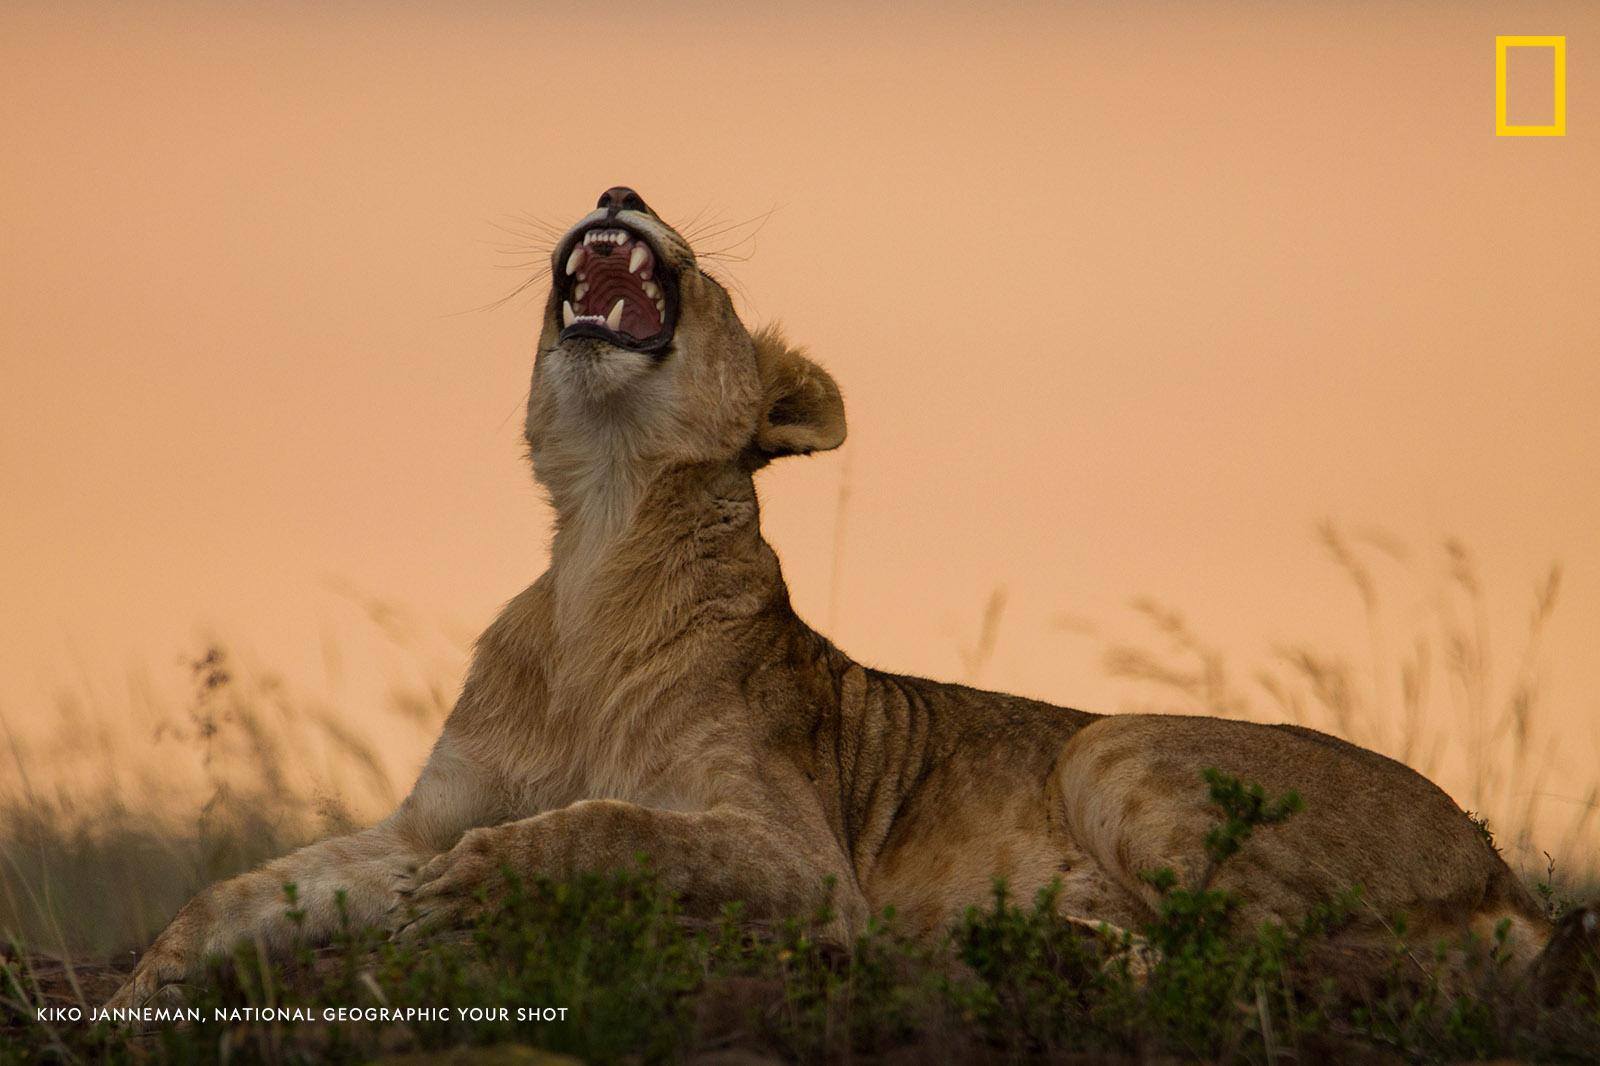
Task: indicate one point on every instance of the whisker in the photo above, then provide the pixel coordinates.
(719, 229)
(549, 228)
(714, 231)
(740, 250)
(713, 228)
(723, 255)
(525, 241)
(698, 220)
(537, 276)
(693, 220)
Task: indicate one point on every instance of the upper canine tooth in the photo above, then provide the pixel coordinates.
(614, 319)
(567, 313)
(575, 260)
(636, 260)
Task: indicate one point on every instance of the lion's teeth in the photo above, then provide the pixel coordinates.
(575, 260)
(636, 260)
(568, 315)
(652, 290)
(614, 319)
(661, 309)
(578, 293)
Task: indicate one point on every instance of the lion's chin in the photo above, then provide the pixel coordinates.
(594, 370)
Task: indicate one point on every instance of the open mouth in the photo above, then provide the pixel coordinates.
(615, 287)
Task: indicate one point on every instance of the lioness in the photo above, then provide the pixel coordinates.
(655, 692)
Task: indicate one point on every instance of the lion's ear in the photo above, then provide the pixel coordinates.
(802, 410)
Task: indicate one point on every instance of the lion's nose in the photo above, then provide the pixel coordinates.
(621, 198)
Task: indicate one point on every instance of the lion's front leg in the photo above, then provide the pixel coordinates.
(351, 879)
(707, 858)
(356, 879)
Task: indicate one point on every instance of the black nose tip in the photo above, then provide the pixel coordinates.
(621, 198)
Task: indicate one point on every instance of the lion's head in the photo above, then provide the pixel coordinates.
(643, 360)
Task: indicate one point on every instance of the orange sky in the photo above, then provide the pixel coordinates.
(1121, 301)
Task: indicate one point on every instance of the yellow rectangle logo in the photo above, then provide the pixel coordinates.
(1558, 125)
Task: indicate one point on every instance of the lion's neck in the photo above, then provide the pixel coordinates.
(643, 546)
(593, 520)
(642, 610)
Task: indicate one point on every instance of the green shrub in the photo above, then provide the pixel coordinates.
(642, 981)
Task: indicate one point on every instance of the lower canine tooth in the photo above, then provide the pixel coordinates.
(636, 260)
(567, 313)
(614, 319)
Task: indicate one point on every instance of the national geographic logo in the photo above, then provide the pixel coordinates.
(1557, 127)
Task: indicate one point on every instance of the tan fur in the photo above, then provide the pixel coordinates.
(654, 692)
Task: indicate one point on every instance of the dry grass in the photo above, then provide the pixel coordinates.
(117, 815)
(1435, 683)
